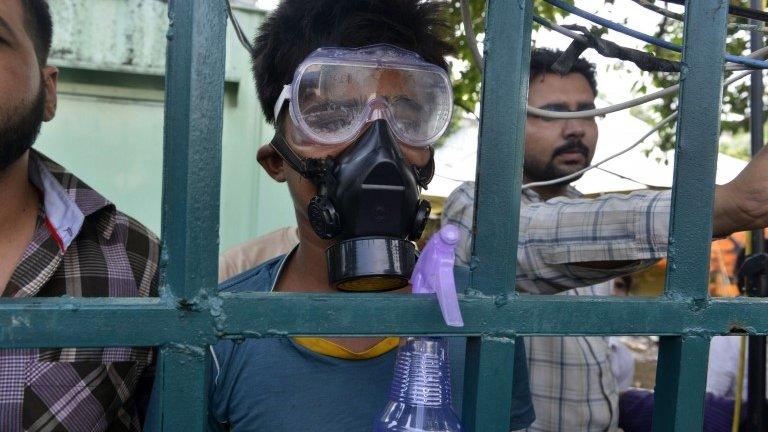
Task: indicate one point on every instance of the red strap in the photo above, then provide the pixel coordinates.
(54, 234)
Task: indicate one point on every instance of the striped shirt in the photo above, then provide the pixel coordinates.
(572, 385)
(82, 247)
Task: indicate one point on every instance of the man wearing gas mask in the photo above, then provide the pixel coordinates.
(358, 91)
(576, 246)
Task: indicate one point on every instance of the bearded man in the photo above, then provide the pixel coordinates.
(575, 246)
(572, 386)
(59, 237)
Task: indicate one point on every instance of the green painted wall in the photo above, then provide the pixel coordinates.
(109, 126)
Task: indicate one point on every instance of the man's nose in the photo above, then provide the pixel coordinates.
(574, 128)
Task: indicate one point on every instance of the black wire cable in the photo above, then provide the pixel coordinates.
(238, 30)
(645, 61)
(739, 11)
(564, 5)
(679, 17)
(625, 177)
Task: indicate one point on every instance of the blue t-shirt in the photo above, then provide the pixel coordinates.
(276, 385)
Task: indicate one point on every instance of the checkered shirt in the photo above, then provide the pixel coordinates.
(571, 382)
(82, 247)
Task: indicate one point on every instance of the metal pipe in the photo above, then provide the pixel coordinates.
(469, 31)
(756, 384)
(756, 408)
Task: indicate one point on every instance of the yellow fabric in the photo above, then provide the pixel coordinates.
(249, 255)
(326, 347)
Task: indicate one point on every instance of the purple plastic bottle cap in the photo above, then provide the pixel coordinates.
(433, 273)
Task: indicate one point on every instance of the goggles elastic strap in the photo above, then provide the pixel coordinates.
(285, 95)
(424, 175)
(311, 169)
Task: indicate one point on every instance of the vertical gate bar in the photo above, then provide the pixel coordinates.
(191, 183)
(499, 164)
(488, 384)
(757, 344)
(680, 390)
(192, 153)
(181, 389)
(756, 359)
(507, 49)
(756, 90)
(698, 131)
(681, 379)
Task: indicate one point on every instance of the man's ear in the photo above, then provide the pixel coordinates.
(50, 83)
(272, 162)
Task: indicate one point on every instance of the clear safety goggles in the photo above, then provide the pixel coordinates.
(337, 91)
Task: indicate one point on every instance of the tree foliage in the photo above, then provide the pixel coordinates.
(735, 109)
(468, 79)
(467, 83)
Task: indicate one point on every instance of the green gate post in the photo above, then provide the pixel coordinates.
(502, 133)
(192, 175)
(489, 365)
(681, 383)
(683, 360)
(181, 377)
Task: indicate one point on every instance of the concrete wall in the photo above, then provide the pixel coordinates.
(109, 127)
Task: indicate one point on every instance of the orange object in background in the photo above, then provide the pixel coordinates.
(722, 270)
(723, 275)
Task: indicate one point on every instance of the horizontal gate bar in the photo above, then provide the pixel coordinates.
(136, 322)
(100, 322)
(258, 315)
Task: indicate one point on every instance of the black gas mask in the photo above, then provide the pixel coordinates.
(368, 100)
(368, 199)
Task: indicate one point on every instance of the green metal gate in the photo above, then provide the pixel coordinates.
(191, 314)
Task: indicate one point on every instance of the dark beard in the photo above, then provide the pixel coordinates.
(18, 135)
(549, 171)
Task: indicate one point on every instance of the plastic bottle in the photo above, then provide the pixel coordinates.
(420, 396)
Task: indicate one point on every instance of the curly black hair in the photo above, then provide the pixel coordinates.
(542, 60)
(39, 26)
(298, 27)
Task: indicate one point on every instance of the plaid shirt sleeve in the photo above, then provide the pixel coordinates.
(559, 236)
